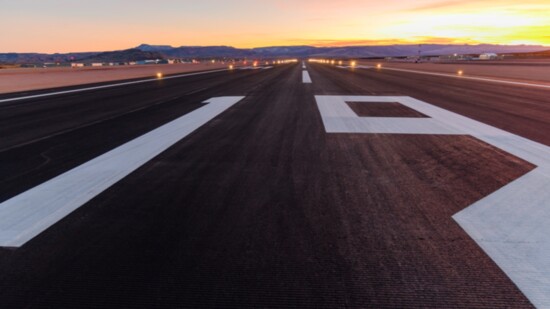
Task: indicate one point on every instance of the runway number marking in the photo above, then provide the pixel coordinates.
(30, 213)
(512, 225)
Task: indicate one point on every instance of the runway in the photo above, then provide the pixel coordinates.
(276, 200)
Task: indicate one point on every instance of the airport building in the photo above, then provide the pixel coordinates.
(488, 56)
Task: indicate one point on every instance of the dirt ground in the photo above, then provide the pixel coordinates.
(521, 70)
(15, 80)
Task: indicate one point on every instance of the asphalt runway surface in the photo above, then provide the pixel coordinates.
(260, 207)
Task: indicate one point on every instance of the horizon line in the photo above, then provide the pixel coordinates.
(285, 45)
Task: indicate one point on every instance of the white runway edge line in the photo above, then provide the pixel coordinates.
(30, 213)
(306, 79)
(471, 78)
(512, 225)
(255, 68)
(355, 67)
(108, 86)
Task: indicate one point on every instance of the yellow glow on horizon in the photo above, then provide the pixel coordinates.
(490, 25)
(450, 22)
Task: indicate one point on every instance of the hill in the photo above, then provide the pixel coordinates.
(346, 51)
(132, 54)
(146, 51)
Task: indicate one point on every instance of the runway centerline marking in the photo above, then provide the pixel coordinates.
(512, 224)
(30, 213)
(107, 86)
(306, 79)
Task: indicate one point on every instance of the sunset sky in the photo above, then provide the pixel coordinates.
(95, 25)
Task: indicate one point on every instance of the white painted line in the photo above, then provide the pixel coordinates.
(306, 79)
(30, 213)
(472, 78)
(106, 86)
(512, 225)
(338, 117)
(256, 68)
(355, 67)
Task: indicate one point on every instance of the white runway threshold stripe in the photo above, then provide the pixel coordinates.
(30, 213)
(512, 225)
(306, 79)
(49, 94)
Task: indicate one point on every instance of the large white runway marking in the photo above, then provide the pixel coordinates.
(106, 86)
(338, 117)
(30, 213)
(512, 225)
(306, 79)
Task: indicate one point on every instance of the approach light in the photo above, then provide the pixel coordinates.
(379, 66)
(159, 75)
(353, 64)
(460, 73)
(231, 67)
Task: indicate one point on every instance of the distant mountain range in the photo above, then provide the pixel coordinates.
(146, 51)
(347, 51)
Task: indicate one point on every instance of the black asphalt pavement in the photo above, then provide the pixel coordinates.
(260, 207)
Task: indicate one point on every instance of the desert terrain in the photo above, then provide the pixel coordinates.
(16, 80)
